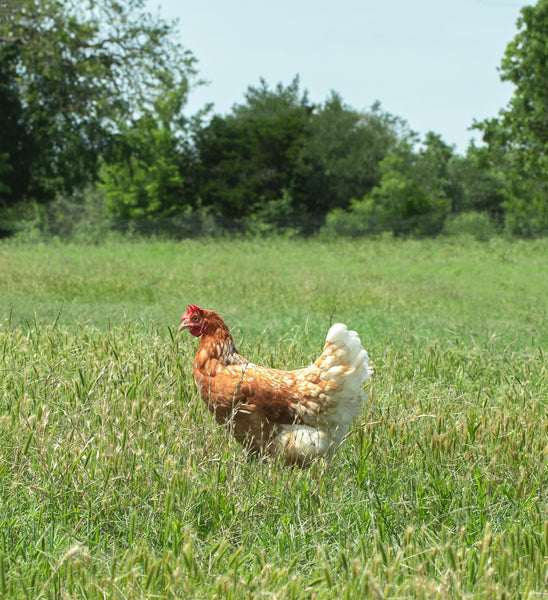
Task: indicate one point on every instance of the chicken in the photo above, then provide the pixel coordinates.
(301, 414)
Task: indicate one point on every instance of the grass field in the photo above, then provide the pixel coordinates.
(115, 483)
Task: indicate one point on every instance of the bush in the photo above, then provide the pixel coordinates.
(527, 216)
(367, 217)
(475, 224)
(78, 217)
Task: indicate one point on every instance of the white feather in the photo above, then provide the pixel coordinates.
(344, 366)
(302, 443)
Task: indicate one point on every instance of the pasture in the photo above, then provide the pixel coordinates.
(115, 483)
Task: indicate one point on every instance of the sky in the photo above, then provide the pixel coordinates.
(433, 63)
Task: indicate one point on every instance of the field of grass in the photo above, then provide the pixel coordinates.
(115, 483)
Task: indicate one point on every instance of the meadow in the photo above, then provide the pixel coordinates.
(115, 483)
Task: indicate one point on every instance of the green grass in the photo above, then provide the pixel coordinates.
(115, 483)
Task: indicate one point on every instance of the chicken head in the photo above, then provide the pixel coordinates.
(194, 320)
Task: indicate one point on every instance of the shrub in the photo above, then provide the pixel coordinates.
(475, 224)
(76, 217)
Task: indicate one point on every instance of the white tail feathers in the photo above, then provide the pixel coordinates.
(345, 350)
(345, 363)
(335, 400)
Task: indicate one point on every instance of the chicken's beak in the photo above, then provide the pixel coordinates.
(184, 325)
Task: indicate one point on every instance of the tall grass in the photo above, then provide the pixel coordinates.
(114, 481)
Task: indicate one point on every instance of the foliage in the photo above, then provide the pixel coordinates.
(342, 151)
(475, 224)
(278, 145)
(74, 73)
(474, 186)
(526, 210)
(518, 140)
(410, 197)
(93, 95)
(524, 64)
(147, 179)
(79, 217)
(150, 172)
(16, 147)
(116, 482)
(247, 158)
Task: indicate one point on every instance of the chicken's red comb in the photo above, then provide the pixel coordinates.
(192, 308)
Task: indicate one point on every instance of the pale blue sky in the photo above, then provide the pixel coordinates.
(432, 62)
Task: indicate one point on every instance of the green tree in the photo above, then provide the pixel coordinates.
(150, 168)
(474, 187)
(16, 148)
(410, 198)
(517, 140)
(278, 157)
(147, 181)
(342, 151)
(77, 74)
(247, 159)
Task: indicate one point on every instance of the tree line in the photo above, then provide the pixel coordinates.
(92, 119)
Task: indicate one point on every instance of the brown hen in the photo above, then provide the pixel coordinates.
(301, 414)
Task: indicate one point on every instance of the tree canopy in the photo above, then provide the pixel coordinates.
(517, 140)
(93, 95)
(73, 75)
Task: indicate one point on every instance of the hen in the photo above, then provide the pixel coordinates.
(301, 414)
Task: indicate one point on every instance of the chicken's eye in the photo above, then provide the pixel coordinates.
(195, 318)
